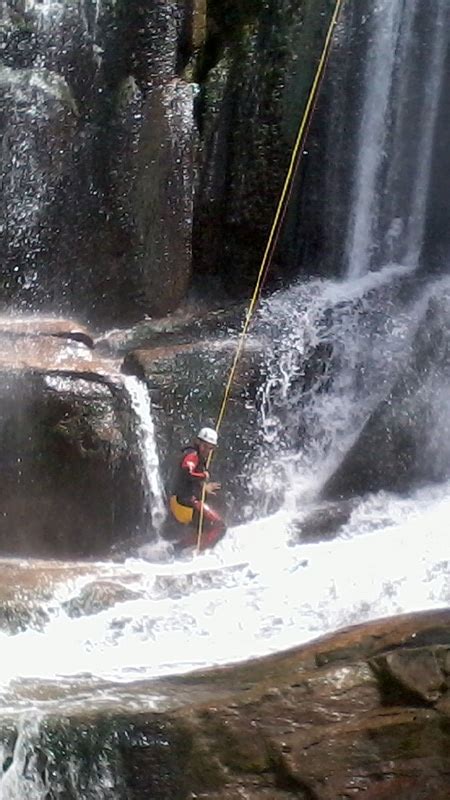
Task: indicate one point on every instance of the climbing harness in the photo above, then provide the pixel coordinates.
(276, 226)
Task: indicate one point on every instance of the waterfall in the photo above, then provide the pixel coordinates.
(433, 85)
(338, 348)
(145, 429)
(404, 68)
(379, 79)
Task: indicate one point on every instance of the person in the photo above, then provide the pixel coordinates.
(186, 497)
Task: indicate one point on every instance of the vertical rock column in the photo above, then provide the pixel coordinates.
(153, 189)
(153, 166)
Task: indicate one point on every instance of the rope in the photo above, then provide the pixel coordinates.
(276, 226)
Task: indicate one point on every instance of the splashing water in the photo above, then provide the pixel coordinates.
(261, 590)
(337, 349)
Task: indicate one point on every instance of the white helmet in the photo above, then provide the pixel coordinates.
(208, 435)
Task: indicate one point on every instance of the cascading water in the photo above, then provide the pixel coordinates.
(145, 429)
(338, 348)
(392, 169)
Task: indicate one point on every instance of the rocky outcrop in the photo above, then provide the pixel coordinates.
(98, 158)
(71, 482)
(360, 714)
(363, 713)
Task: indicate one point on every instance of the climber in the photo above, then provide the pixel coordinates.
(186, 497)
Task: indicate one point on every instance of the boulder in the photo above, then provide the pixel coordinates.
(322, 523)
(71, 482)
(98, 596)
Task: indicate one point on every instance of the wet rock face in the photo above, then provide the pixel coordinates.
(122, 123)
(70, 482)
(320, 722)
(38, 118)
(99, 181)
(152, 172)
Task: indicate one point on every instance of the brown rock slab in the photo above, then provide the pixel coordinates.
(51, 354)
(320, 729)
(45, 326)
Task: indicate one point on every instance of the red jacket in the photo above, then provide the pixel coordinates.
(190, 475)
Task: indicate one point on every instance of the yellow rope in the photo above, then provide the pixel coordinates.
(279, 214)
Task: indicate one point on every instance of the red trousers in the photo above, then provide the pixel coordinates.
(213, 527)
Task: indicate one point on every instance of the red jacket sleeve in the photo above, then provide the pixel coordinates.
(190, 464)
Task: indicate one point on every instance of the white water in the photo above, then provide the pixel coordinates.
(261, 589)
(258, 592)
(145, 429)
(369, 334)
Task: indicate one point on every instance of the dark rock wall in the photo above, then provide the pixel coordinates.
(313, 237)
(97, 169)
(103, 108)
(251, 105)
(437, 235)
(404, 442)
